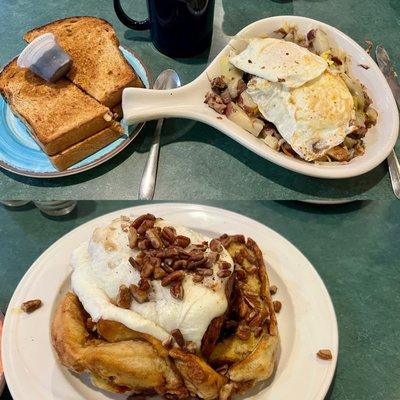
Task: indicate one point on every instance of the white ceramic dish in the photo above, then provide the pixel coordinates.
(188, 102)
(307, 321)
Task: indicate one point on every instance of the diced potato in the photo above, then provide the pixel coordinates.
(320, 42)
(349, 142)
(246, 102)
(228, 70)
(338, 153)
(271, 141)
(239, 117)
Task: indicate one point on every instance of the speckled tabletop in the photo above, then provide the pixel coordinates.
(354, 247)
(198, 162)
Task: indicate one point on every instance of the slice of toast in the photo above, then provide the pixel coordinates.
(99, 67)
(86, 147)
(59, 114)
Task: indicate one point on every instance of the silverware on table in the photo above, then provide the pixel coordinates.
(168, 79)
(386, 66)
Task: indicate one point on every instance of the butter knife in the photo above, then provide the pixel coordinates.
(386, 66)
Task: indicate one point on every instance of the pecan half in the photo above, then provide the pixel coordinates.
(168, 233)
(224, 273)
(138, 221)
(277, 306)
(147, 269)
(132, 237)
(204, 271)
(31, 305)
(176, 290)
(155, 240)
(144, 244)
(135, 264)
(273, 289)
(144, 284)
(197, 278)
(224, 265)
(172, 277)
(325, 354)
(196, 264)
(141, 296)
(182, 241)
(177, 335)
(124, 299)
(145, 225)
(158, 273)
(179, 264)
(215, 245)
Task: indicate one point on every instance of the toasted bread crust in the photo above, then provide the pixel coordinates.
(86, 147)
(57, 114)
(98, 67)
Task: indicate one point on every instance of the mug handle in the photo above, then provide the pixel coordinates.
(128, 21)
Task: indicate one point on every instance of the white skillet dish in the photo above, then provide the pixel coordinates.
(188, 102)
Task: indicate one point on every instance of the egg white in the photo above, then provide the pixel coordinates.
(279, 61)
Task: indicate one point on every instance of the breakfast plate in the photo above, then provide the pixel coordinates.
(307, 321)
(188, 102)
(19, 153)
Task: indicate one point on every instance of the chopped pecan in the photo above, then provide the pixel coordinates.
(240, 273)
(147, 269)
(215, 245)
(132, 237)
(138, 221)
(168, 233)
(176, 290)
(182, 241)
(155, 240)
(196, 264)
(172, 277)
(224, 265)
(144, 244)
(273, 289)
(179, 264)
(204, 271)
(238, 258)
(31, 305)
(325, 354)
(124, 299)
(168, 252)
(255, 322)
(145, 225)
(224, 273)
(144, 284)
(198, 278)
(277, 306)
(135, 264)
(141, 296)
(177, 335)
(158, 273)
(250, 315)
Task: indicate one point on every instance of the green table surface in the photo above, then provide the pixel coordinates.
(354, 247)
(198, 162)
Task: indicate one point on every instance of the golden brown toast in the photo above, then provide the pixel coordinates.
(98, 66)
(86, 147)
(57, 114)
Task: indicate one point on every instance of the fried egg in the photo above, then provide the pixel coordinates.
(101, 266)
(312, 118)
(277, 60)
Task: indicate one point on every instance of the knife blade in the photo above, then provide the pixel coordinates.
(386, 66)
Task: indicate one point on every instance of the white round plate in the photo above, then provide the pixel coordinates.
(2, 380)
(307, 321)
(188, 102)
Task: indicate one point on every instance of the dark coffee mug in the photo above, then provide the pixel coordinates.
(178, 28)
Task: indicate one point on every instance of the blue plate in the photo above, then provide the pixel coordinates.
(20, 154)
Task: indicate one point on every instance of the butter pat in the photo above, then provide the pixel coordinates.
(45, 58)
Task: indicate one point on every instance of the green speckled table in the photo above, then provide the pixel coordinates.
(198, 162)
(354, 247)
